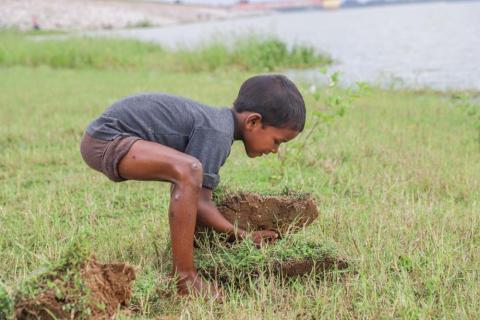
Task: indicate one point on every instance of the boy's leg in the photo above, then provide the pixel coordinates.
(152, 161)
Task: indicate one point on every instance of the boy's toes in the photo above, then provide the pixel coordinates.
(195, 285)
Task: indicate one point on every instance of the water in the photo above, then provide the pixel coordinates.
(434, 45)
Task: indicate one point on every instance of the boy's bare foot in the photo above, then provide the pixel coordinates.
(192, 283)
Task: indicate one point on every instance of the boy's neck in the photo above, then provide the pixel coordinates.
(237, 131)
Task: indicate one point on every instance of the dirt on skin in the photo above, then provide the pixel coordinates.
(251, 211)
(109, 285)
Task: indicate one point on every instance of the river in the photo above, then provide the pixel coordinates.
(434, 45)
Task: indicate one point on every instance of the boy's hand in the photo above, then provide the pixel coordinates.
(263, 237)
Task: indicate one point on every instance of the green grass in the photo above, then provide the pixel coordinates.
(6, 303)
(247, 53)
(397, 179)
(232, 264)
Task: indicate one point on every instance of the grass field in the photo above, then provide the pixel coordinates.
(397, 179)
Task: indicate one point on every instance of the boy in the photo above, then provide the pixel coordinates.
(162, 137)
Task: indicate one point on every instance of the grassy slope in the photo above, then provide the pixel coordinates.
(397, 180)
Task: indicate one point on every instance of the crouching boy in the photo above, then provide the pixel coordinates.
(161, 137)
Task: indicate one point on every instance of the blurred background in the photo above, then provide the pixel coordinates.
(433, 44)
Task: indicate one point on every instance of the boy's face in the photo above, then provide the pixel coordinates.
(261, 139)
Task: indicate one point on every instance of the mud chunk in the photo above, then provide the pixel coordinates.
(108, 288)
(283, 213)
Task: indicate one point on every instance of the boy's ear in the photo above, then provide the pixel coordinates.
(253, 120)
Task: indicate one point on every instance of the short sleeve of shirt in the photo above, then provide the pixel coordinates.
(211, 148)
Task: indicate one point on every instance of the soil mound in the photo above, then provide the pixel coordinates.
(97, 293)
(282, 213)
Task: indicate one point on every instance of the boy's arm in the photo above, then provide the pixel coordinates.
(209, 215)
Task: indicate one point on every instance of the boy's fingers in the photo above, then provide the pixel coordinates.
(264, 237)
(271, 234)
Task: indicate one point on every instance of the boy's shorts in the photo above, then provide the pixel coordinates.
(104, 156)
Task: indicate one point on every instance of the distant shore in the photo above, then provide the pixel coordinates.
(89, 15)
(80, 15)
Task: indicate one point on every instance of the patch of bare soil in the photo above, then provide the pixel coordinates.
(252, 211)
(300, 267)
(108, 286)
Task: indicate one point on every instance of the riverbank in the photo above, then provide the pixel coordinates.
(417, 51)
(81, 15)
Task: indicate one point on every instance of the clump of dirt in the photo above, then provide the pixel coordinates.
(282, 213)
(85, 290)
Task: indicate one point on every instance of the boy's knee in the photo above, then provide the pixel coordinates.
(191, 173)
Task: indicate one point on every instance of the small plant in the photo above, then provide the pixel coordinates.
(330, 103)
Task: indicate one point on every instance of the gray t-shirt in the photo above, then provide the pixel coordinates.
(196, 129)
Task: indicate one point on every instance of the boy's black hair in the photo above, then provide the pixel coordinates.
(276, 98)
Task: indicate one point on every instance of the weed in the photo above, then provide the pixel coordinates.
(329, 104)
